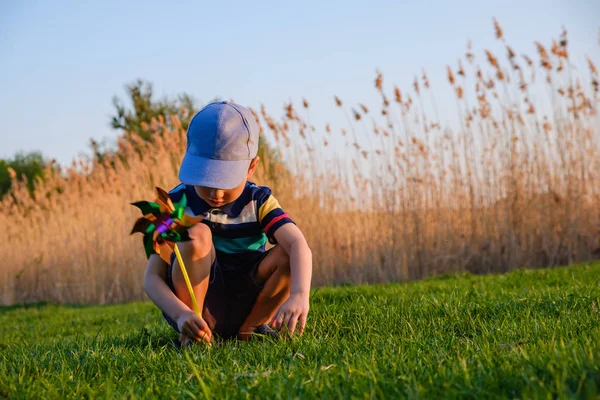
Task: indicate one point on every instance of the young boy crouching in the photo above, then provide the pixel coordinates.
(242, 288)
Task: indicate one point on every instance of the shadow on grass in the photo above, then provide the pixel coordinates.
(47, 304)
(26, 306)
(135, 341)
(143, 339)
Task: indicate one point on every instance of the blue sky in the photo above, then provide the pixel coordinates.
(62, 62)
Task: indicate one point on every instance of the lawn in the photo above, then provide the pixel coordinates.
(526, 334)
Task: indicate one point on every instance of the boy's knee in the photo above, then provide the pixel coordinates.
(276, 263)
(200, 243)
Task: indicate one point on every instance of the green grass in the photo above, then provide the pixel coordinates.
(526, 334)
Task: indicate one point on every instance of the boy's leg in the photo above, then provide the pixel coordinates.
(198, 255)
(274, 273)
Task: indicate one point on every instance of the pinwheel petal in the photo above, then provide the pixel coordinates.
(189, 220)
(150, 217)
(164, 249)
(147, 207)
(174, 225)
(148, 245)
(178, 213)
(165, 202)
(182, 203)
(140, 225)
(150, 228)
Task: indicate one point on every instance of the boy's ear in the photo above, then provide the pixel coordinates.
(253, 165)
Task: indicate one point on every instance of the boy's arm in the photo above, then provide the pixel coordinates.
(159, 292)
(190, 325)
(295, 309)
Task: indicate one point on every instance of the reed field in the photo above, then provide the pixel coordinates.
(389, 194)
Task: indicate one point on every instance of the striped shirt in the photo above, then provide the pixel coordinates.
(240, 230)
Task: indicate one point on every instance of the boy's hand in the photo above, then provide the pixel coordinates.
(293, 311)
(193, 327)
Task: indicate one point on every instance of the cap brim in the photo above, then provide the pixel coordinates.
(220, 174)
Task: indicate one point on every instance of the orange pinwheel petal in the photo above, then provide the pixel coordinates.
(164, 249)
(164, 201)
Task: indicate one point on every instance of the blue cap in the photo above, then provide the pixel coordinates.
(222, 139)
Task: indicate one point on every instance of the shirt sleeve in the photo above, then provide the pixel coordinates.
(270, 214)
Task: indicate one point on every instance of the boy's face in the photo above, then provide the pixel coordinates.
(216, 197)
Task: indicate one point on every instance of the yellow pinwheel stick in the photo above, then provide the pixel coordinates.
(187, 281)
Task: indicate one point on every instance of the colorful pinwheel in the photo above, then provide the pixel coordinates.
(164, 224)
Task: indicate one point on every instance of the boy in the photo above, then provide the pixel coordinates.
(243, 288)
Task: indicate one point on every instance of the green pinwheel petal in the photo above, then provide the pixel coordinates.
(150, 228)
(147, 207)
(182, 203)
(148, 245)
(179, 208)
(179, 212)
(174, 237)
